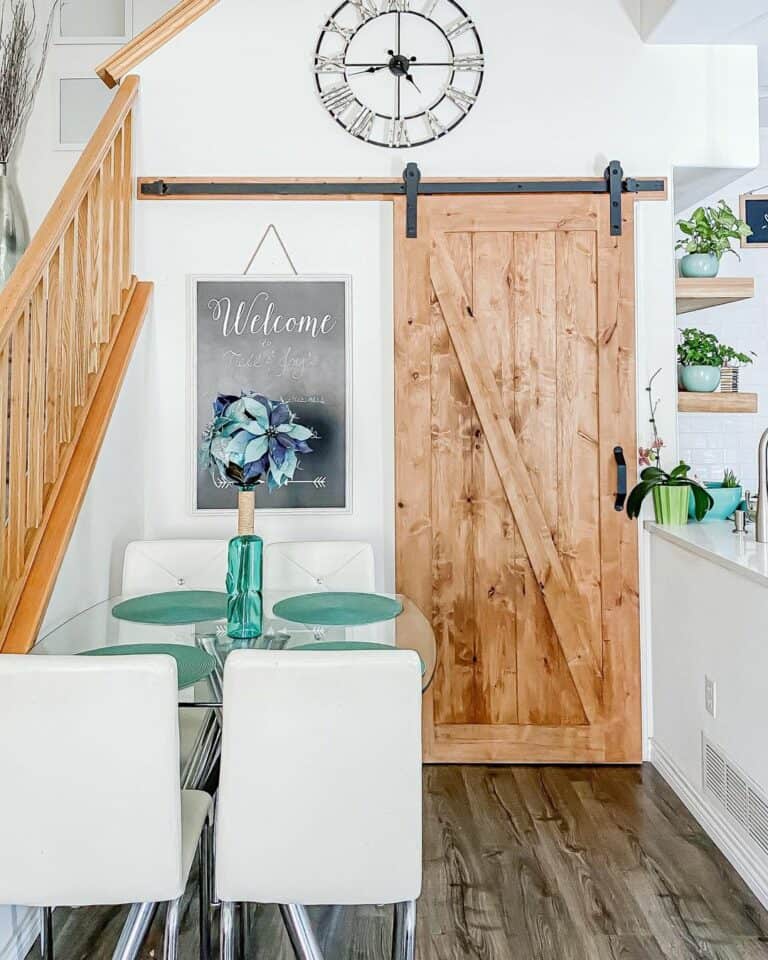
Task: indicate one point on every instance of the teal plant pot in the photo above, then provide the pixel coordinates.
(697, 379)
(671, 505)
(727, 499)
(244, 582)
(699, 265)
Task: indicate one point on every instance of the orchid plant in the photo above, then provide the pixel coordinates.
(650, 456)
(252, 439)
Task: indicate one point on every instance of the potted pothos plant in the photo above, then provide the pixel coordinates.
(670, 491)
(701, 357)
(707, 235)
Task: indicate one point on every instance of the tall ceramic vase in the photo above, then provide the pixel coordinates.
(14, 232)
(244, 574)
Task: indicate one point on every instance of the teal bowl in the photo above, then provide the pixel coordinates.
(700, 379)
(699, 265)
(726, 500)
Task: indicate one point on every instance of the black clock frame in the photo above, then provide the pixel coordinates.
(414, 13)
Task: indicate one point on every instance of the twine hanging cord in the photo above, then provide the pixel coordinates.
(270, 229)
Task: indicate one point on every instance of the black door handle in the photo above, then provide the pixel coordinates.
(621, 479)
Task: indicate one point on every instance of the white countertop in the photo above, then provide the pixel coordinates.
(716, 541)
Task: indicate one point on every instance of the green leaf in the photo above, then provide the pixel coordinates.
(652, 474)
(681, 470)
(702, 501)
(711, 230)
(636, 497)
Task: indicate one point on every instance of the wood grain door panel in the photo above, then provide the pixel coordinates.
(515, 379)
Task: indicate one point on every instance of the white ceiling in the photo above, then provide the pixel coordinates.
(707, 21)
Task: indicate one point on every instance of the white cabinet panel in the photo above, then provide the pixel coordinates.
(82, 103)
(93, 20)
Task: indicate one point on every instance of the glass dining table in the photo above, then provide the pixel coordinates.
(97, 630)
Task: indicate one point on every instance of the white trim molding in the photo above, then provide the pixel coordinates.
(751, 866)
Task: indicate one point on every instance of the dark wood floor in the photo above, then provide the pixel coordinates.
(558, 863)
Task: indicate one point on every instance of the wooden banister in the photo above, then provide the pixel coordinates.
(30, 268)
(68, 318)
(148, 41)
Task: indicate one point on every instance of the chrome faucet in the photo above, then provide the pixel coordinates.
(761, 519)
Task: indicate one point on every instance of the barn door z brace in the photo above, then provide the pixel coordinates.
(412, 186)
(613, 184)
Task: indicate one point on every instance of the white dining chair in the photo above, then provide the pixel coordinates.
(153, 566)
(309, 566)
(159, 565)
(320, 793)
(92, 811)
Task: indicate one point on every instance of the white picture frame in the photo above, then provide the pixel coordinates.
(99, 95)
(82, 38)
(192, 398)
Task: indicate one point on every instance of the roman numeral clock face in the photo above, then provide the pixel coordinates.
(399, 73)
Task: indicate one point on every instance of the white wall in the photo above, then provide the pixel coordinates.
(177, 240)
(709, 621)
(42, 167)
(598, 93)
(712, 442)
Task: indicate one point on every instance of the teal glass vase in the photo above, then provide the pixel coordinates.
(244, 580)
(244, 575)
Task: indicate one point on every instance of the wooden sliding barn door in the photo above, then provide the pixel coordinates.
(514, 382)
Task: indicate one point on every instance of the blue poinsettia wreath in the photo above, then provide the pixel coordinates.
(251, 439)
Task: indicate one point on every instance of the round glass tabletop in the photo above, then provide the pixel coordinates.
(96, 628)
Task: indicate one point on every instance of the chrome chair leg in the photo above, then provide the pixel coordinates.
(300, 932)
(404, 931)
(134, 931)
(205, 892)
(171, 942)
(46, 933)
(227, 931)
(243, 930)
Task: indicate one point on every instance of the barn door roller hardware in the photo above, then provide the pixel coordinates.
(613, 184)
(412, 187)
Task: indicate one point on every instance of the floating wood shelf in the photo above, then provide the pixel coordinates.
(698, 294)
(716, 402)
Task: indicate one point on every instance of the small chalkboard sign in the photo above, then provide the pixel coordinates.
(754, 211)
(287, 338)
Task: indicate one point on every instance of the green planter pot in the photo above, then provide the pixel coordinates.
(671, 505)
(699, 265)
(696, 379)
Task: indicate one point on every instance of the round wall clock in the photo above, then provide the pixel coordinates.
(399, 73)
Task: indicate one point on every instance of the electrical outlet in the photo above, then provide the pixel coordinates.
(710, 696)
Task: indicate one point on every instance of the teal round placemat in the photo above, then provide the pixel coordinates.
(338, 609)
(192, 663)
(349, 645)
(173, 608)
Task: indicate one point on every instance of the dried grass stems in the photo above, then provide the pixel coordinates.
(19, 76)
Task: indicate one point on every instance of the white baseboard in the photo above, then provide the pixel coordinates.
(23, 937)
(741, 854)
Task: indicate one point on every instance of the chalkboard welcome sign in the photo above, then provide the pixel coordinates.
(754, 210)
(287, 338)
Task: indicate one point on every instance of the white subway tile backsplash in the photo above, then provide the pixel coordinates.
(709, 457)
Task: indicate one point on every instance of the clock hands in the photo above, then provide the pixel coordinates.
(374, 68)
(410, 80)
(414, 63)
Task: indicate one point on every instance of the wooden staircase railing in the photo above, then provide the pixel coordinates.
(69, 317)
(156, 35)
